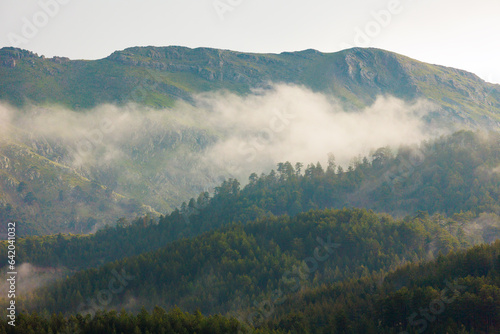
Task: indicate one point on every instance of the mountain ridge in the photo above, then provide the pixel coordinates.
(165, 79)
(163, 75)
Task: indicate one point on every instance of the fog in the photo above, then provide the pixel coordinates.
(30, 278)
(294, 124)
(484, 229)
(189, 147)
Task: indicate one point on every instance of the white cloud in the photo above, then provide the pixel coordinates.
(188, 148)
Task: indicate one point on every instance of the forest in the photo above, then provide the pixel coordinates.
(455, 176)
(242, 262)
(456, 293)
(400, 241)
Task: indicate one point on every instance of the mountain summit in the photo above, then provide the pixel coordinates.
(158, 76)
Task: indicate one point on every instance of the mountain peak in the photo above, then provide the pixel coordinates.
(355, 77)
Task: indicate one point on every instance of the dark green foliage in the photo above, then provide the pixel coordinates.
(158, 322)
(225, 269)
(29, 198)
(457, 293)
(233, 266)
(21, 187)
(449, 175)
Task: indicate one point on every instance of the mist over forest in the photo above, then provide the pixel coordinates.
(193, 147)
(300, 192)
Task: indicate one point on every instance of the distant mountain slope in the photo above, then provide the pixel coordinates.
(158, 321)
(44, 195)
(456, 293)
(157, 76)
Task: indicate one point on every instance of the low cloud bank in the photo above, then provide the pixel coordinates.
(192, 147)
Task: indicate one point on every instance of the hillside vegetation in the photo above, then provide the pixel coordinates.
(457, 293)
(456, 176)
(161, 155)
(157, 76)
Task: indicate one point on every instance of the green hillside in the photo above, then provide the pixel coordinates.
(160, 164)
(244, 262)
(157, 76)
(457, 293)
(307, 271)
(402, 240)
(454, 178)
(47, 196)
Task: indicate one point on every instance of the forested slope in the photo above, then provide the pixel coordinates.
(457, 293)
(225, 269)
(457, 173)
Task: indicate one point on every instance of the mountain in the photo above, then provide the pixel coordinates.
(149, 156)
(172, 261)
(158, 76)
(455, 293)
(455, 176)
(46, 195)
(158, 321)
(374, 244)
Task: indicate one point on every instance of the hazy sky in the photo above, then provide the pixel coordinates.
(457, 33)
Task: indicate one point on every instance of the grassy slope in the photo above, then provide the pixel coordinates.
(157, 76)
